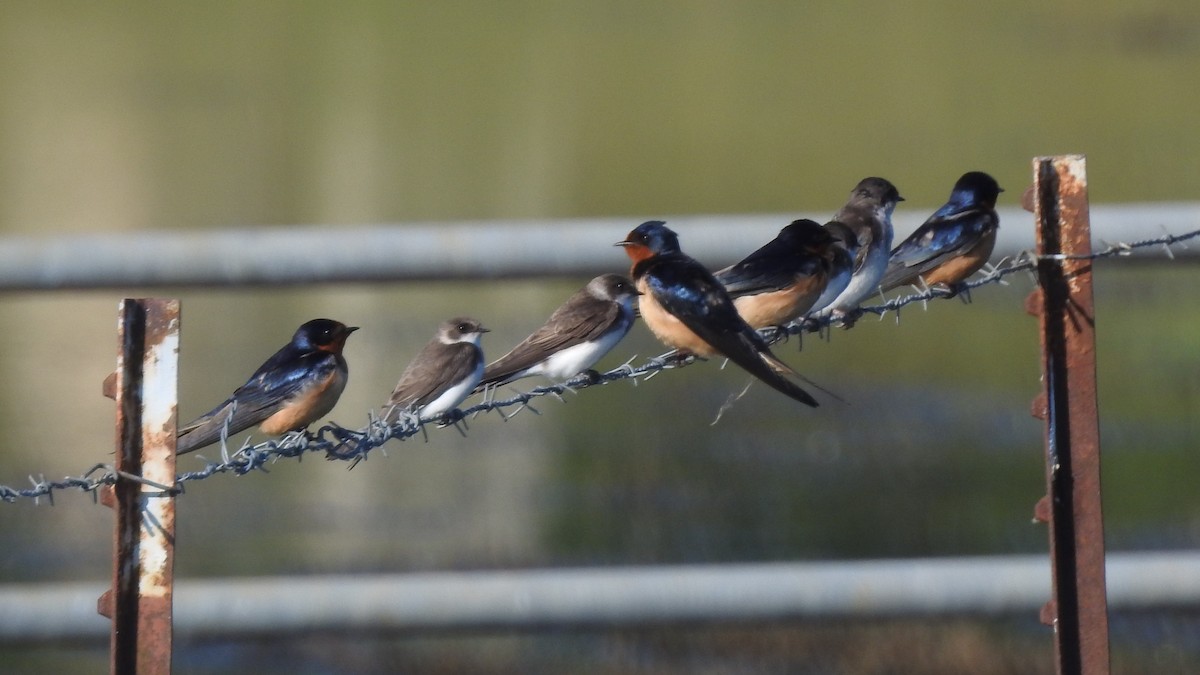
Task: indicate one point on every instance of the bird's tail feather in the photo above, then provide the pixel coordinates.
(774, 373)
(217, 424)
(787, 371)
(202, 432)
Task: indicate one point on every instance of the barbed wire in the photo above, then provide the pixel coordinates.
(1027, 261)
(354, 445)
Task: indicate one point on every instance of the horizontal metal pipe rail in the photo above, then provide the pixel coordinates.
(451, 250)
(528, 600)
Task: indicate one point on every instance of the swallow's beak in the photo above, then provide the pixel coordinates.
(340, 341)
(623, 243)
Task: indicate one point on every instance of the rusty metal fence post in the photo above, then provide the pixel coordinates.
(1078, 610)
(145, 388)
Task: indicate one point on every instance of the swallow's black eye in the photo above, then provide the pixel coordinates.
(464, 328)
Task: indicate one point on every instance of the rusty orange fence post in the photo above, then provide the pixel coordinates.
(1078, 610)
(145, 388)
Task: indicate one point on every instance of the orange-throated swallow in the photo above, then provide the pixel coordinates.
(442, 374)
(868, 214)
(841, 266)
(294, 388)
(783, 279)
(577, 335)
(689, 310)
(955, 242)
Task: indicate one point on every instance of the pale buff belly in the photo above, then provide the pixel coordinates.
(309, 406)
(953, 271)
(668, 329)
(778, 307)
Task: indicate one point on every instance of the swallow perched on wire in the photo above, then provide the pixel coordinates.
(782, 279)
(577, 335)
(841, 264)
(689, 310)
(442, 374)
(955, 242)
(868, 214)
(297, 386)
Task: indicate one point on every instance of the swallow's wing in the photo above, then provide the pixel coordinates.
(277, 381)
(941, 238)
(858, 219)
(689, 293)
(836, 281)
(764, 272)
(436, 368)
(577, 321)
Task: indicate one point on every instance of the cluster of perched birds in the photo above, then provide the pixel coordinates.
(809, 271)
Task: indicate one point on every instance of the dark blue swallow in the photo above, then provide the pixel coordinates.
(577, 335)
(689, 310)
(782, 280)
(294, 388)
(954, 242)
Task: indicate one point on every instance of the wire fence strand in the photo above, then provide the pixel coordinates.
(336, 442)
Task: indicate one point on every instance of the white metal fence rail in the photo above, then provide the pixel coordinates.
(452, 250)
(596, 598)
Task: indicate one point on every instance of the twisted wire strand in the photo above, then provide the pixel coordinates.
(354, 445)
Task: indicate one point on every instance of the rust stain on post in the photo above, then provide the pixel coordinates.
(1078, 610)
(139, 602)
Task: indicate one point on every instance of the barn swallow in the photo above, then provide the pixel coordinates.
(442, 375)
(782, 279)
(841, 266)
(577, 335)
(688, 309)
(294, 388)
(868, 214)
(954, 242)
